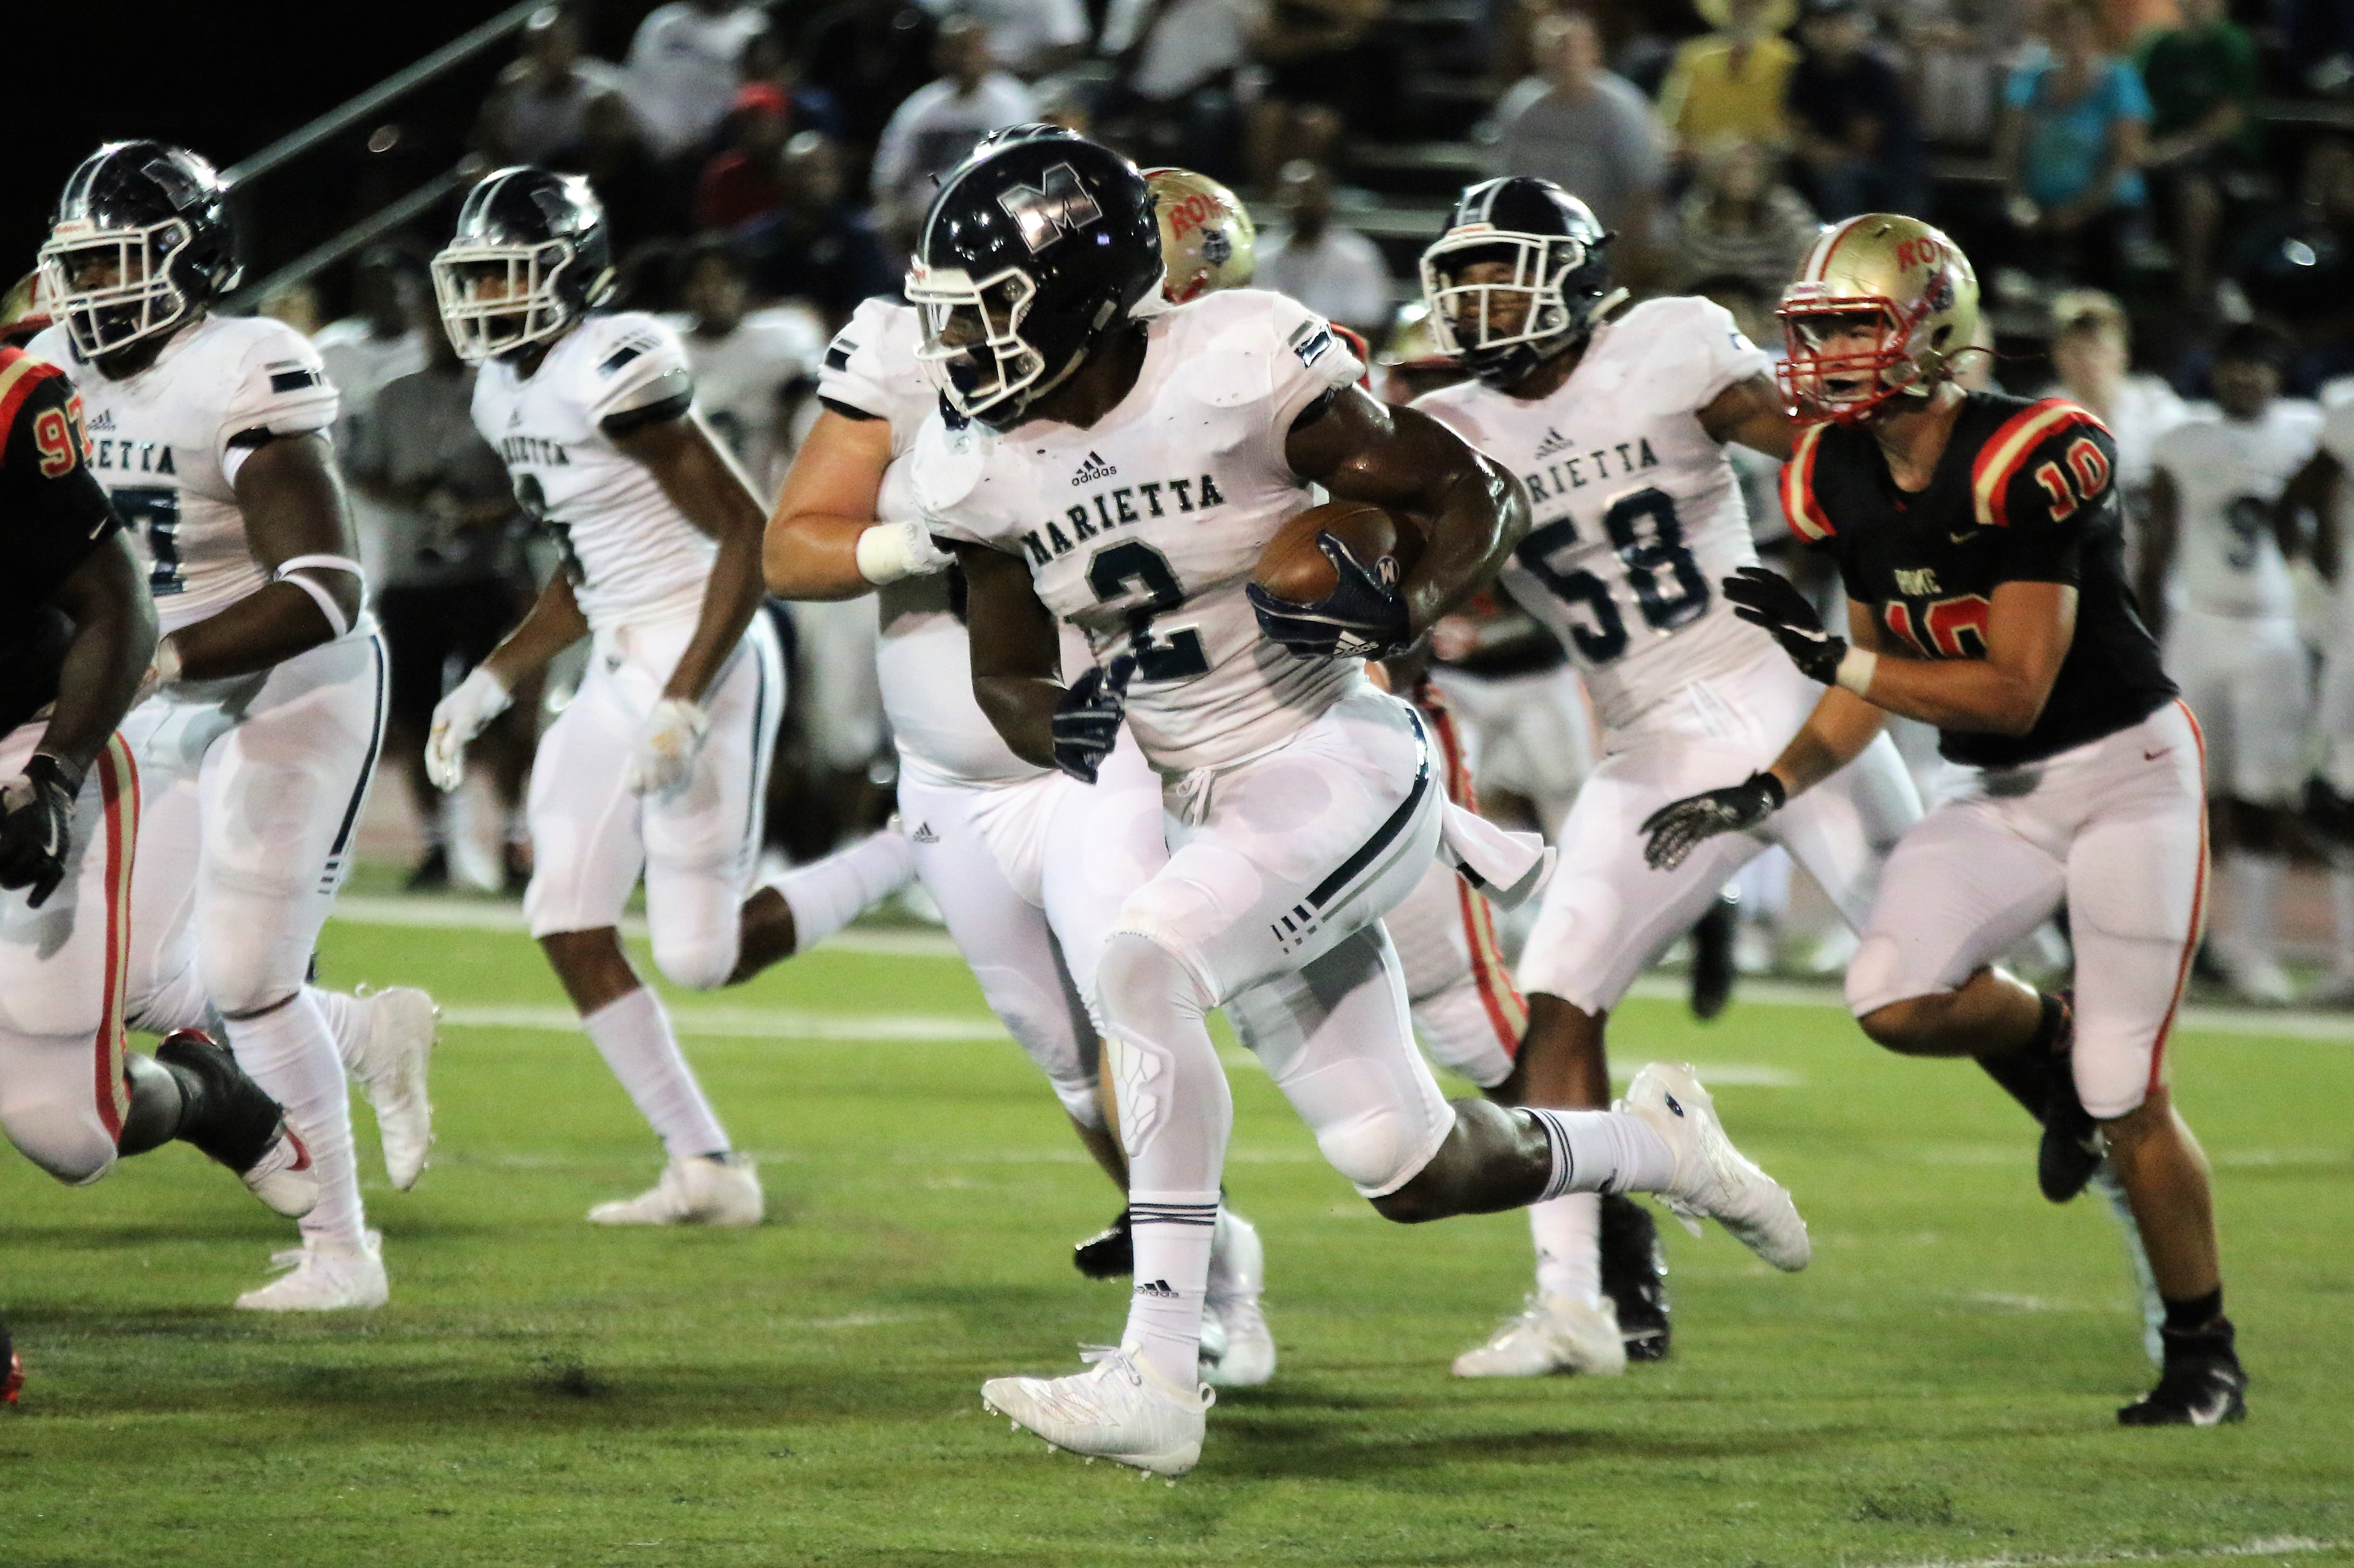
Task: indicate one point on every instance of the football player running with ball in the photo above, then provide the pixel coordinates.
(1029, 866)
(1978, 537)
(263, 708)
(1616, 423)
(1124, 469)
(660, 765)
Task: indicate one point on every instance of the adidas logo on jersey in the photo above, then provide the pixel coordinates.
(105, 421)
(1095, 470)
(1114, 508)
(923, 834)
(1555, 441)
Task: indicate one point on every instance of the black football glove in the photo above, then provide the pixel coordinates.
(1764, 598)
(1675, 829)
(1087, 721)
(36, 811)
(1363, 618)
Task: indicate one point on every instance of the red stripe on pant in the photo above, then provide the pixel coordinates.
(118, 782)
(1507, 1013)
(2198, 914)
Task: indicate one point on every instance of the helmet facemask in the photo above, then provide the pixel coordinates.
(1847, 357)
(140, 300)
(496, 299)
(1500, 326)
(973, 350)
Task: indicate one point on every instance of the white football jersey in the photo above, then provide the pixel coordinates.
(1639, 515)
(923, 663)
(161, 442)
(739, 378)
(632, 556)
(1142, 529)
(2227, 474)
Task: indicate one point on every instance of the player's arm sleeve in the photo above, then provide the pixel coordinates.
(281, 389)
(639, 377)
(870, 372)
(2052, 490)
(57, 512)
(1723, 355)
(1308, 361)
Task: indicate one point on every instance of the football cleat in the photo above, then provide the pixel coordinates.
(1634, 1276)
(1120, 1410)
(2072, 1147)
(391, 1067)
(1712, 1178)
(1552, 1334)
(324, 1276)
(240, 1125)
(2202, 1384)
(1109, 1253)
(1241, 1354)
(1712, 962)
(712, 1190)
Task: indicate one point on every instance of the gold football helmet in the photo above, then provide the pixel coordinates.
(24, 310)
(1207, 238)
(1881, 307)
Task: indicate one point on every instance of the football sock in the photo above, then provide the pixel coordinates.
(827, 895)
(1226, 1280)
(1568, 1232)
(2253, 879)
(2186, 1317)
(1175, 1113)
(346, 1020)
(1603, 1152)
(633, 1034)
(290, 1053)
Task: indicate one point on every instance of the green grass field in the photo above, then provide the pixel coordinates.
(1937, 1387)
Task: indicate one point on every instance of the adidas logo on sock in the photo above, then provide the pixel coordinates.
(923, 834)
(1093, 469)
(1159, 1288)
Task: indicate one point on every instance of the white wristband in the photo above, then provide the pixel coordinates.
(890, 551)
(1855, 668)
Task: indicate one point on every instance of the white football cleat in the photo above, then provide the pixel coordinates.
(2254, 975)
(1237, 1349)
(325, 1277)
(1552, 1334)
(285, 1176)
(706, 1190)
(401, 1025)
(1121, 1410)
(1713, 1179)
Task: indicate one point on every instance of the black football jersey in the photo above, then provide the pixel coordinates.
(52, 515)
(2024, 492)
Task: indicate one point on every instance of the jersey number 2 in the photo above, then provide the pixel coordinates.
(153, 513)
(1670, 588)
(1135, 567)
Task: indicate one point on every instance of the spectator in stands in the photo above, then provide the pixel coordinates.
(1735, 82)
(753, 368)
(939, 122)
(447, 583)
(869, 55)
(2202, 81)
(1583, 128)
(1176, 60)
(1031, 38)
(685, 64)
(1321, 76)
(2297, 267)
(741, 183)
(768, 57)
(2092, 352)
(1736, 218)
(1857, 138)
(384, 337)
(541, 98)
(642, 200)
(1958, 53)
(2069, 149)
(814, 246)
(1336, 272)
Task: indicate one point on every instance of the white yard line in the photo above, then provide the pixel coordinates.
(2329, 1028)
(2270, 1546)
(749, 1024)
(486, 915)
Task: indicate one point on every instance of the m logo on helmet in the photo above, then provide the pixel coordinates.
(1046, 216)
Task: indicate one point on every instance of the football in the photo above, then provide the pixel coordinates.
(1292, 568)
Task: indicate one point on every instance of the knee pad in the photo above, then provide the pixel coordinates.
(66, 1140)
(241, 984)
(175, 1001)
(701, 960)
(1379, 1151)
(1137, 972)
(1875, 977)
